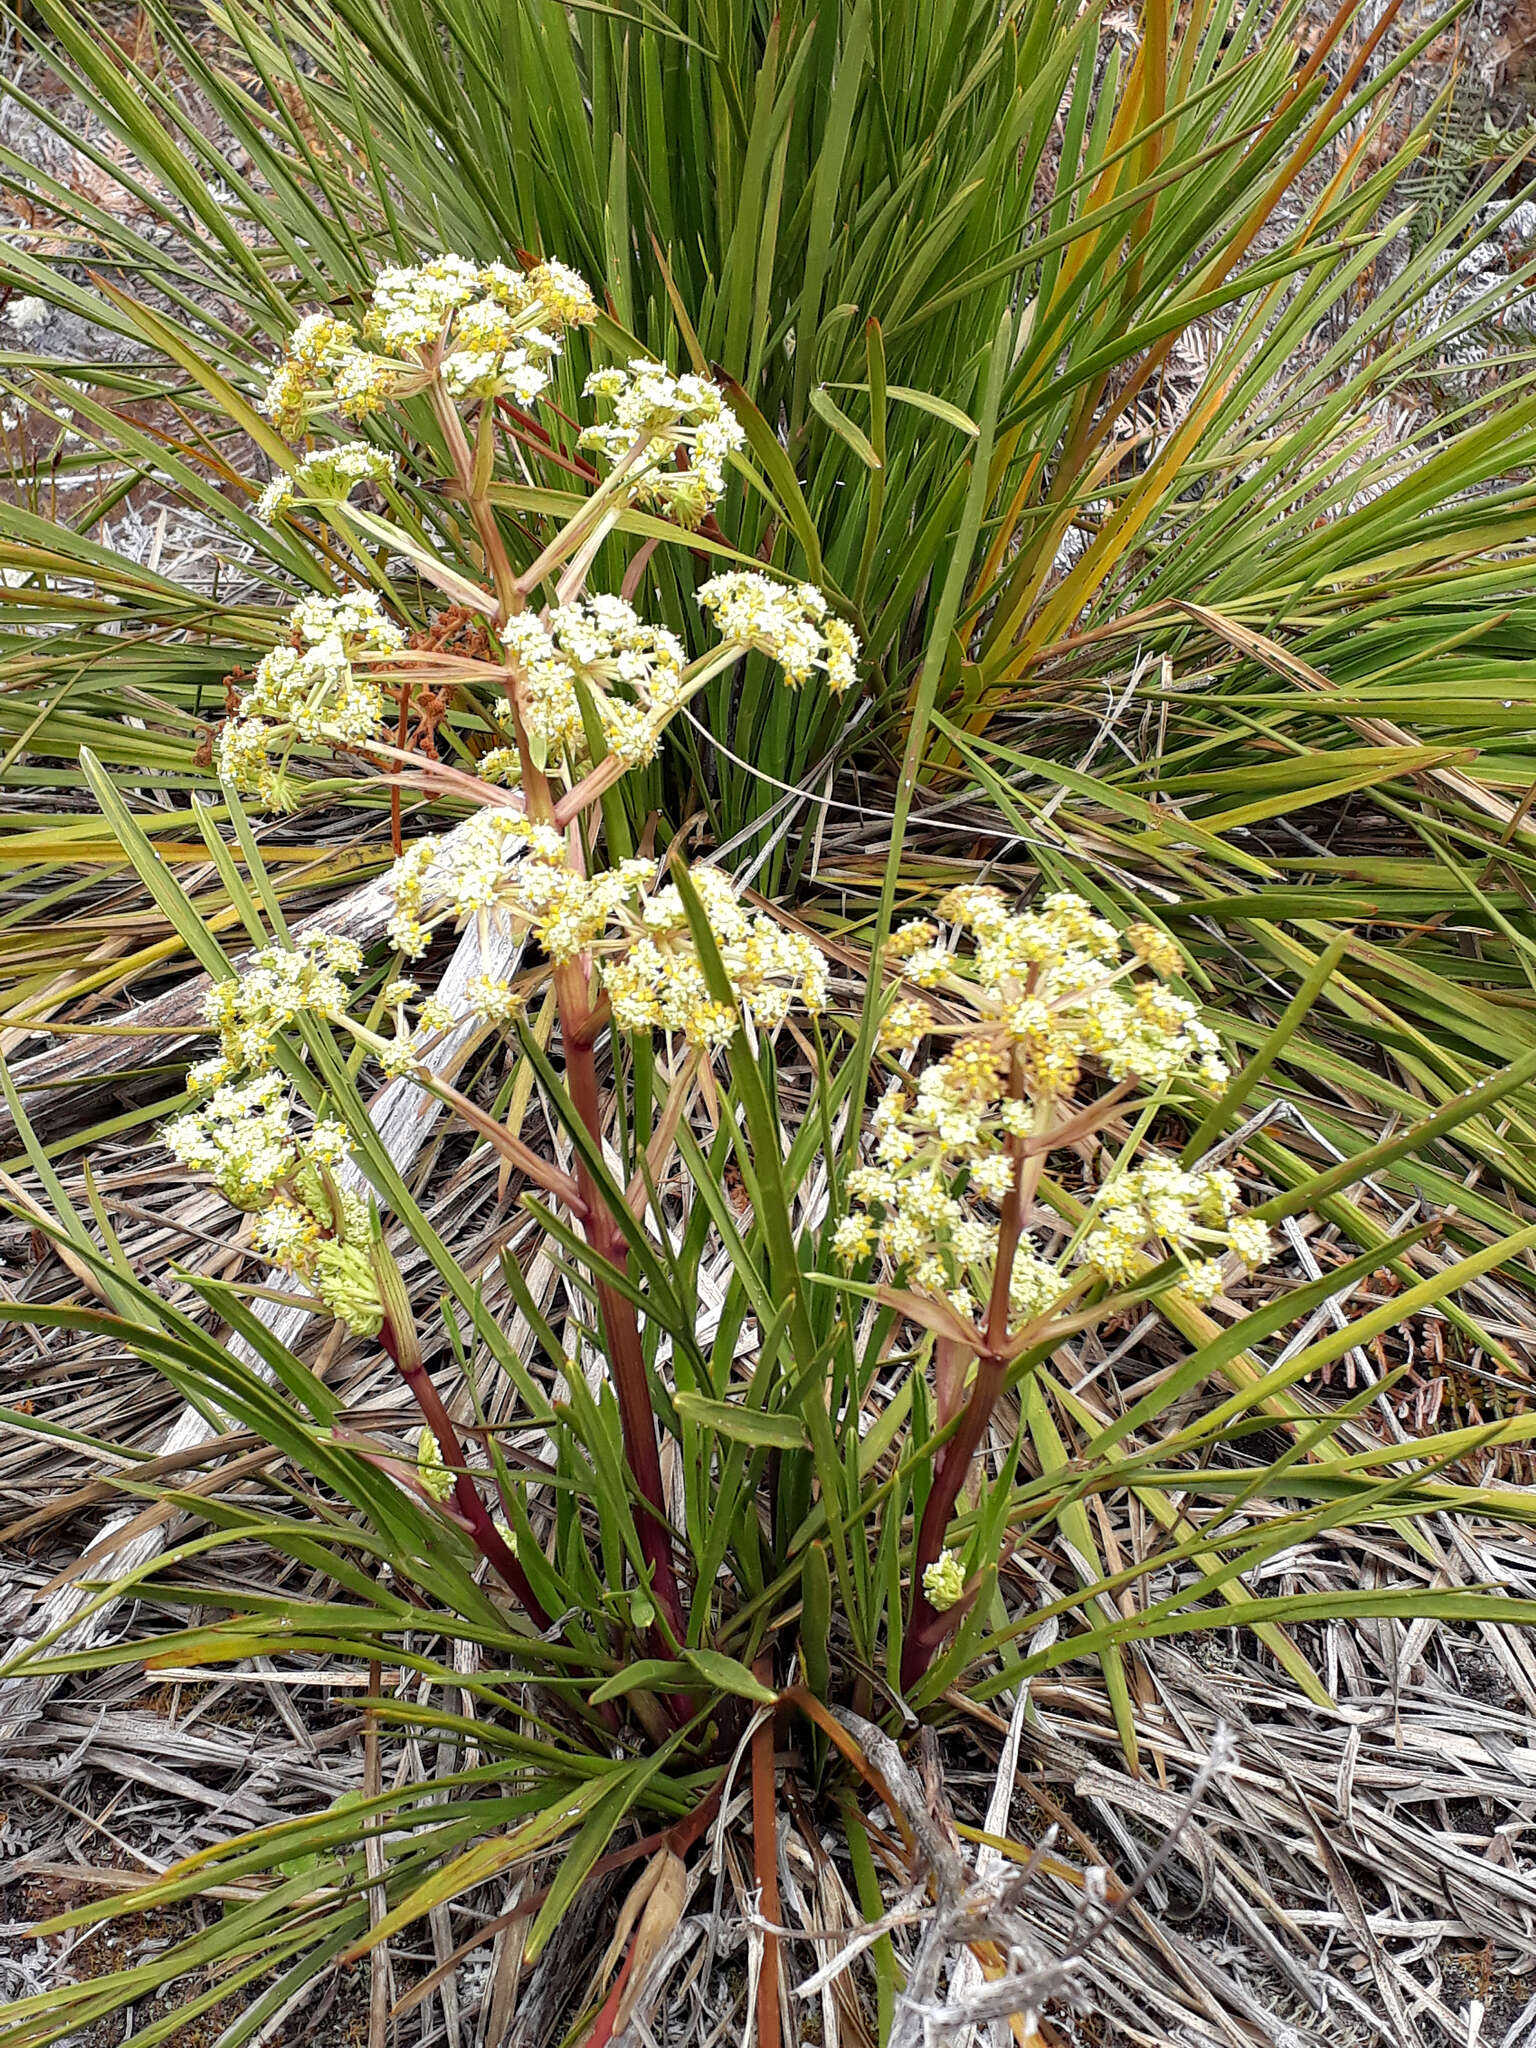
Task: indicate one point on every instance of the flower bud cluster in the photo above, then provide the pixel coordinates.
(632, 673)
(787, 623)
(432, 1475)
(638, 935)
(487, 329)
(308, 689)
(944, 1581)
(657, 414)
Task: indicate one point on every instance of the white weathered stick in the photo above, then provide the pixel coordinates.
(403, 1116)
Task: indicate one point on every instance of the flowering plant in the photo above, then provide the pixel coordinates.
(949, 1201)
(572, 695)
(775, 1450)
(1045, 1021)
(781, 1498)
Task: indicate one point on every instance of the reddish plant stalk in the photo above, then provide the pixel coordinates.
(396, 840)
(926, 1625)
(488, 1539)
(765, 1857)
(626, 1353)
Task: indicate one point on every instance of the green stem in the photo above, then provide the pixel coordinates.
(465, 471)
(581, 522)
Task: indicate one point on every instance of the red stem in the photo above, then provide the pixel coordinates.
(489, 1541)
(626, 1354)
(579, 1024)
(765, 1855)
(926, 1625)
(396, 841)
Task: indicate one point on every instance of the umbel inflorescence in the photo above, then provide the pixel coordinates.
(1050, 991)
(321, 685)
(485, 329)
(474, 338)
(635, 933)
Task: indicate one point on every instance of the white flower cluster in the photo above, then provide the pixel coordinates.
(1055, 985)
(308, 689)
(407, 1049)
(326, 478)
(244, 1135)
(639, 936)
(930, 1201)
(788, 623)
(659, 414)
(658, 982)
(1159, 1200)
(245, 1138)
(486, 328)
(1052, 990)
(632, 673)
(496, 861)
(281, 984)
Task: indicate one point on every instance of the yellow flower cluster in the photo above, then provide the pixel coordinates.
(658, 414)
(244, 1137)
(316, 348)
(1056, 985)
(485, 328)
(632, 673)
(1158, 1200)
(281, 984)
(308, 689)
(326, 478)
(787, 623)
(1052, 990)
(637, 935)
